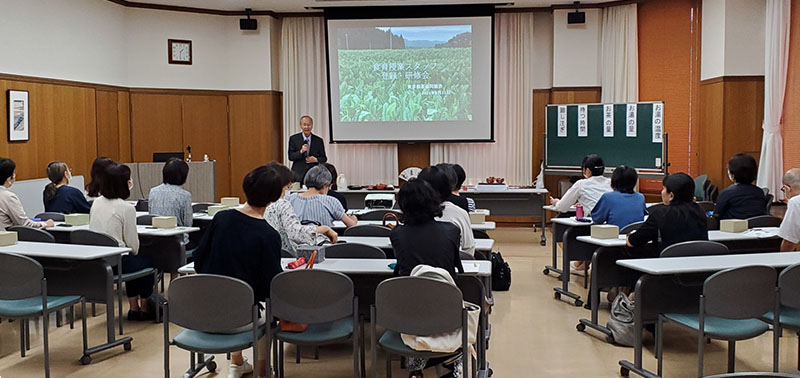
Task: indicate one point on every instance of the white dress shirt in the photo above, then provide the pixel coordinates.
(790, 226)
(459, 217)
(585, 192)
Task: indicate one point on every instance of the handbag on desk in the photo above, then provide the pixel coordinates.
(386, 218)
(289, 326)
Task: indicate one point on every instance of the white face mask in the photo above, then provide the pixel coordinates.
(130, 184)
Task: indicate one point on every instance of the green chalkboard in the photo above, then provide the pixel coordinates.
(640, 152)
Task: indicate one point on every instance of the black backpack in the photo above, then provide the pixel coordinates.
(501, 273)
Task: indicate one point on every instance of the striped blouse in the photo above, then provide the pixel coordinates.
(320, 208)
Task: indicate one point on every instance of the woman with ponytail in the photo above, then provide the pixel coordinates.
(59, 197)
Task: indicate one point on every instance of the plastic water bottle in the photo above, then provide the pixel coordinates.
(205, 158)
(578, 211)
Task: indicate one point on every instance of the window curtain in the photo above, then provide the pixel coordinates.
(776, 64)
(511, 154)
(619, 55)
(304, 79)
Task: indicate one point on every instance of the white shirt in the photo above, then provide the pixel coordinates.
(790, 226)
(459, 217)
(585, 192)
(116, 218)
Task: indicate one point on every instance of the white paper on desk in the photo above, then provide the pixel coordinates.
(470, 267)
(762, 234)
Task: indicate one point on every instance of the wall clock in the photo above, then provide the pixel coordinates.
(179, 51)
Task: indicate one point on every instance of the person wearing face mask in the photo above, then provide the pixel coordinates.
(111, 215)
(11, 211)
(281, 216)
(586, 191)
(680, 220)
(741, 200)
(59, 197)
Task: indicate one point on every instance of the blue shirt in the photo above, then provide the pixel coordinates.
(320, 208)
(619, 209)
(67, 200)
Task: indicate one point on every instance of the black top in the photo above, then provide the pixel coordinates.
(240, 246)
(68, 200)
(675, 223)
(741, 201)
(432, 243)
(338, 196)
(299, 165)
(459, 201)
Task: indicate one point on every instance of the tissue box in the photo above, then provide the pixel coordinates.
(213, 209)
(478, 216)
(165, 222)
(605, 231)
(230, 201)
(8, 238)
(76, 219)
(307, 250)
(733, 225)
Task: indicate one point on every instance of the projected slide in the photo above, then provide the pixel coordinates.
(417, 73)
(422, 79)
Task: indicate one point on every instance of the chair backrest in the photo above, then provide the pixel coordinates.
(472, 289)
(285, 253)
(712, 223)
(142, 204)
(195, 302)
(706, 206)
(378, 214)
(789, 282)
(89, 237)
(32, 234)
(56, 217)
(712, 192)
(768, 198)
(145, 220)
(418, 306)
(695, 248)
(368, 230)
(198, 207)
(631, 227)
(777, 209)
(480, 234)
(764, 221)
(311, 296)
(740, 293)
(466, 256)
(700, 186)
(20, 277)
(353, 251)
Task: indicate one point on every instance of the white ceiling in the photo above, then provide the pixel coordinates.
(303, 5)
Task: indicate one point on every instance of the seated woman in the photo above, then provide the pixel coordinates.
(240, 244)
(622, 206)
(334, 187)
(586, 191)
(59, 197)
(452, 178)
(462, 176)
(11, 211)
(314, 205)
(96, 176)
(424, 241)
(741, 200)
(679, 221)
(282, 218)
(169, 198)
(451, 213)
(110, 214)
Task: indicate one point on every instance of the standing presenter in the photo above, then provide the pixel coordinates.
(306, 150)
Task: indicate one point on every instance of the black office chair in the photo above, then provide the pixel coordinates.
(695, 248)
(145, 220)
(353, 251)
(368, 230)
(200, 207)
(55, 217)
(32, 234)
(631, 227)
(706, 206)
(379, 213)
(480, 234)
(763, 221)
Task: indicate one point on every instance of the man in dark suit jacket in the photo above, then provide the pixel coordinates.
(305, 149)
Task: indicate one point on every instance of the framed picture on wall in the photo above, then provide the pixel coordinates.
(18, 119)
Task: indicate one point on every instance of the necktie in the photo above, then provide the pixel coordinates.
(308, 142)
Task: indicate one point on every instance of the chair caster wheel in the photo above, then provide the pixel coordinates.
(557, 295)
(543, 243)
(211, 366)
(86, 360)
(546, 271)
(127, 346)
(490, 372)
(623, 371)
(580, 327)
(578, 303)
(610, 339)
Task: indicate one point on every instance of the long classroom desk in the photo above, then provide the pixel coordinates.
(485, 226)
(565, 230)
(484, 245)
(73, 269)
(605, 272)
(658, 292)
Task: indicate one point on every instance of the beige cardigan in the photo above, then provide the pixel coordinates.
(11, 211)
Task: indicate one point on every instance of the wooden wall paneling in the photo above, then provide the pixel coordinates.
(253, 135)
(577, 95)
(744, 114)
(540, 100)
(156, 125)
(275, 142)
(205, 128)
(712, 127)
(413, 155)
(124, 119)
(791, 101)
(107, 124)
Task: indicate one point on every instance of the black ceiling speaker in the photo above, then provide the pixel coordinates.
(576, 17)
(248, 23)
